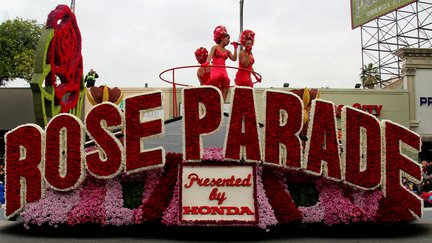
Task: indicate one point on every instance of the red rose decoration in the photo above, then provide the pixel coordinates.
(243, 115)
(64, 56)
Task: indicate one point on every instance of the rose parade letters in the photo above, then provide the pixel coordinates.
(369, 157)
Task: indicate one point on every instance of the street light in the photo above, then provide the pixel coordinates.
(73, 6)
(241, 15)
(241, 20)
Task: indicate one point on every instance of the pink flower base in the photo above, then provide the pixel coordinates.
(101, 201)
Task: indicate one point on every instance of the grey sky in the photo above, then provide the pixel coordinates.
(129, 42)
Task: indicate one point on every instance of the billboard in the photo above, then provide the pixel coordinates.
(363, 11)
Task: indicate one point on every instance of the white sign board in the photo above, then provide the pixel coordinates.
(218, 193)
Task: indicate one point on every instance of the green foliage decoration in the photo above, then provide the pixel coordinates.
(132, 194)
(57, 82)
(43, 97)
(304, 195)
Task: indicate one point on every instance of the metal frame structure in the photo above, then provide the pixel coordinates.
(410, 26)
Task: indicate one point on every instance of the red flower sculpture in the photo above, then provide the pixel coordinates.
(64, 56)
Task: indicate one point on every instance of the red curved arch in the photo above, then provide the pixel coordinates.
(198, 66)
(173, 82)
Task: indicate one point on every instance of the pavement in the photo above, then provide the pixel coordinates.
(417, 231)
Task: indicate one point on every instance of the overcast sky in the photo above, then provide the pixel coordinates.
(130, 42)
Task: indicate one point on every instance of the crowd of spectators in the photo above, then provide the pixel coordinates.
(424, 189)
(2, 181)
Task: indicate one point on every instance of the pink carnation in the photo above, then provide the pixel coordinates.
(213, 154)
(52, 209)
(116, 214)
(265, 210)
(91, 207)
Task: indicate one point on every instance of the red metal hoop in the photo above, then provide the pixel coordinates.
(198, 66)
(173, 82)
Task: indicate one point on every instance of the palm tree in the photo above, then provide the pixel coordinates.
(369, 76)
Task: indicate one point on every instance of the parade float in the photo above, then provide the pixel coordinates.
(294, 168)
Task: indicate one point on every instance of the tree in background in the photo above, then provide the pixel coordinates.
(18, 41)
(369, 76)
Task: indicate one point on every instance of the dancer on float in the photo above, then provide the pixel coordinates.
(246, 60)
(218, 55)
(203, 73)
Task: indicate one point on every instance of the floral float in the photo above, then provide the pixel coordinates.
(252, 181)
(295, 172)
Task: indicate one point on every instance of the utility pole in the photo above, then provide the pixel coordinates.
(73, 6)
(241, 20)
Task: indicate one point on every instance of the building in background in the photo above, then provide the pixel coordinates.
(407, 101)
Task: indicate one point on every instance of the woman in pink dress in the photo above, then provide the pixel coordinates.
(218, 55)
(246, 60)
